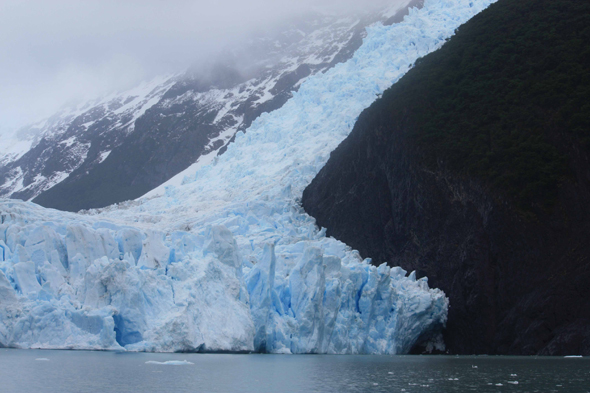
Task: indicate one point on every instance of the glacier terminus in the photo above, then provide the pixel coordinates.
(226, 259)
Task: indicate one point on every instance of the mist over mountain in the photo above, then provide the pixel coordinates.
(119, 146)
(62, 51)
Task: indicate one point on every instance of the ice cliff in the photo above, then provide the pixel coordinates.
(229, 261)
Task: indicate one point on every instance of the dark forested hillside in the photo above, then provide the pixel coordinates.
(474, 170)
(489, 102)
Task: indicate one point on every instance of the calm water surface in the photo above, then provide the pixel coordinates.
(80, 371)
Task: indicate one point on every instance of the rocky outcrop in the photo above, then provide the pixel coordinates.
(518, 278)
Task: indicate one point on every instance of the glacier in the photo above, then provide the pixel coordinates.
(228, 260)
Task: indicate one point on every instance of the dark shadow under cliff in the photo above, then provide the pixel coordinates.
(474, 170)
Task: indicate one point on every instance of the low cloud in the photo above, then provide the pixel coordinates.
(59, 50)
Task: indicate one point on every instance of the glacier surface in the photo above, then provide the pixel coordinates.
(228, 261)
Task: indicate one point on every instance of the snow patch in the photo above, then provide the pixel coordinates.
(68, 142)
(103, 156)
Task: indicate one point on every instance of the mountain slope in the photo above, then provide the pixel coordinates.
(474, 170)
(124, 145)
(46, 153)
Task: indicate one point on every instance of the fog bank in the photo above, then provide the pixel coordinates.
(60, 50)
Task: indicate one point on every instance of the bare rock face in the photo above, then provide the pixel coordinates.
(518, 280)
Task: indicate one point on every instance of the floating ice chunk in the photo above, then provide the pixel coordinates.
(42, 359)
(170, 362)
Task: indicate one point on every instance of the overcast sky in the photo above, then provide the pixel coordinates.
(52, 51)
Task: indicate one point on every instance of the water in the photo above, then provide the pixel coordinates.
(80, 371)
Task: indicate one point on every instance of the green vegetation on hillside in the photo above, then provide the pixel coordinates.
(501, 98)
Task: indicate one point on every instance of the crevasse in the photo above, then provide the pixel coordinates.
(229, 261)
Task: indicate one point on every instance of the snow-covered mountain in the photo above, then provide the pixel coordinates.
(36, 158)
(227, 260)
(121, 146)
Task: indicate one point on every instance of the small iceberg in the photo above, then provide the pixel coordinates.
(170, 362)
(42, 359)
(573, 356)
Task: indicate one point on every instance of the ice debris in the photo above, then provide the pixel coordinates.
(170, 362)
(229, 261)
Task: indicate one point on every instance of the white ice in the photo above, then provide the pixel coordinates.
(170, 363)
